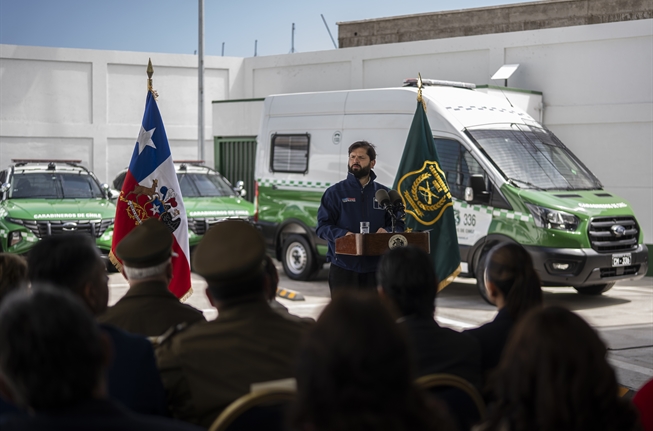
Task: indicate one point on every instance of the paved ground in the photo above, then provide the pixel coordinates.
(623, 316)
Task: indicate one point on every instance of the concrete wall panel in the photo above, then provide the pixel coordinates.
(25, 84)
(467, 66)
(177, 86)
(43, 147)
(562, 70)
(301, 78)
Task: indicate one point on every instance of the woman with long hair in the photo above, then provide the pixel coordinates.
(554, 376)
(354, 373)
(514, 287)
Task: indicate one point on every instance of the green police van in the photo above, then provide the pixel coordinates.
(39, 198)
(511, 180)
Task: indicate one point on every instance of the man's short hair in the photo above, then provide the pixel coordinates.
(67, 261)
(407, 277)
(51, 352)
(369, 147)
(135, 274)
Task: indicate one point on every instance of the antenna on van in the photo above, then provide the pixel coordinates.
(504, 73)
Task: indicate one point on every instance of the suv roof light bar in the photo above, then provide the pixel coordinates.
(412, 82)
(45, 161)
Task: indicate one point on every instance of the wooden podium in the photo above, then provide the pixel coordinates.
(375, 244)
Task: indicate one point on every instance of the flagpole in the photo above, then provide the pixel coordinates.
(200, 86)
(150, 72)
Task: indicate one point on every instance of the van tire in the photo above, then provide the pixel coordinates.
(298, 259)
(479, 271)
(596, 289)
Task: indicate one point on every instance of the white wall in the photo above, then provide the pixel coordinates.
(596, 80)
(88, 105)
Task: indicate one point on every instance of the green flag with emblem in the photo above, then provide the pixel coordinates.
(423, 187)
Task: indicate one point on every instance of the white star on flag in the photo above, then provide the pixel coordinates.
(155, 209)
(145, 139)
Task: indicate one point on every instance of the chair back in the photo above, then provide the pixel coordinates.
(465, 403)
(261, 409)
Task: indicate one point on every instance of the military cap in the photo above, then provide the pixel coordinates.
(231, 251)
(147, 245)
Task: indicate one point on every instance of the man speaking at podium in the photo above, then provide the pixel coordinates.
(344, 206)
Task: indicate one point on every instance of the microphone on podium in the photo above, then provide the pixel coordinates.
(383, 198)
(395, 200)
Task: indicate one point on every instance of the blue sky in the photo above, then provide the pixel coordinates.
(170, 26)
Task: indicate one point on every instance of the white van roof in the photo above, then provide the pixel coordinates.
(462, 107)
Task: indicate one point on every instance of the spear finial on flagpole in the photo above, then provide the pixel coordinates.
(150, 72)
(419, 91)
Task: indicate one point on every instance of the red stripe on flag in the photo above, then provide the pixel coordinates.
(181, 283)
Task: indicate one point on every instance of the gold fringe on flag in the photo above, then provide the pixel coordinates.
(447, 281)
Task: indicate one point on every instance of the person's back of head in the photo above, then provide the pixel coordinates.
(407, 277)
(51, 351)
(73, 262)
(13, 273)
(146, 251)
(554, 376)
(510, 269)
(231, 258)
(354, 371)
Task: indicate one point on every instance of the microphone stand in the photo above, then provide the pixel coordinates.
(393, 209)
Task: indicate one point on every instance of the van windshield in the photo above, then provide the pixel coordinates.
(532, 157)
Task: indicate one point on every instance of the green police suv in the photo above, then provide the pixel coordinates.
(208, 197)
(39, 198)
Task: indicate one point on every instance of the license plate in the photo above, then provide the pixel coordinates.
(622, 259)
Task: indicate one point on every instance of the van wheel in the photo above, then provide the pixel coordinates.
(596, 289)
(297, 257)
(480, 279)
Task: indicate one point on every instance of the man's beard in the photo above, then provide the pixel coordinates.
(361, 172)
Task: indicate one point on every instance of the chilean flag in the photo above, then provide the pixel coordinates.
(151, 189)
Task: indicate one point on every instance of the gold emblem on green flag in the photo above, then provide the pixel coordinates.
(425, 192)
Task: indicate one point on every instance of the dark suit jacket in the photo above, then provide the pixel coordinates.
(96, 415)
(133, 377)
(492, 337)
(150, 309)
(443, 350)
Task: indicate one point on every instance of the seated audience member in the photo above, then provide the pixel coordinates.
(272, 285)
(208, 365)
(52, 361)
(13, 276)
(13, 273)
(355, 373)
(514, 287)
(554, 376)
(643, 400)
(148, 308)
(72, 262)
(407, 279)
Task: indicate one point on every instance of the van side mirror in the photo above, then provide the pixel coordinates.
(106, 191)
(476, 191)
(3, 190)
(240, 188)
